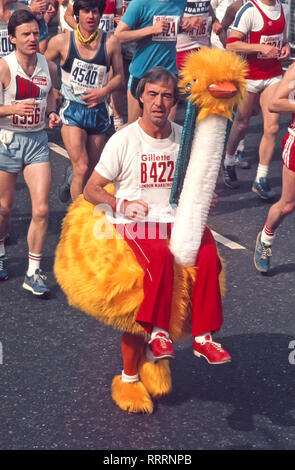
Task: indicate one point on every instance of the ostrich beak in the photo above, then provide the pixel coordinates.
(224, 90)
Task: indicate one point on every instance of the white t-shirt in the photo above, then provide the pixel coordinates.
(248, 18)
(142, 167)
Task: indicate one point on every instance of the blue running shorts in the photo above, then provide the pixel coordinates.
(92, 120)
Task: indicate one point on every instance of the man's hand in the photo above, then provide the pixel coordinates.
(271, 52)
(38, 6)
(54, 121)
(217, 27)
(58, 96)
(189, 22)
(93, 97)
(161, 26)
(24, 108)
(135, 210)
(285, 52)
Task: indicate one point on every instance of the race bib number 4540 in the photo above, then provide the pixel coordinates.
(171, 33)
(85, 76)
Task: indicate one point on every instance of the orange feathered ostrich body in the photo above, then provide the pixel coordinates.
(99, 272)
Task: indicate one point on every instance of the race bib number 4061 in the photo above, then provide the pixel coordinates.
(85, 76)
(171, 33)
(156, 171)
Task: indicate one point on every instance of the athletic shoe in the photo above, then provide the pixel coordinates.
(161, 347)
(262, 255)
(213, 352)
(262, 188)
(3, 271)
(230, 176)
(240, 160)
(64, 193)
(35, 283)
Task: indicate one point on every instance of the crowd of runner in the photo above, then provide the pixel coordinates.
(102, 50)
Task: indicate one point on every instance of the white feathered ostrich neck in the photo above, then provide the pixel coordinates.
(214, 82)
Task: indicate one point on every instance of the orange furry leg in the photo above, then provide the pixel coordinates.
(156, 377)
(131, 397)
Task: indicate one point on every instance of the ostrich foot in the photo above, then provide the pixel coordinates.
(156, 377)
(131, 397)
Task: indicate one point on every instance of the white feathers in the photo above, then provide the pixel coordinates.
(198, 188)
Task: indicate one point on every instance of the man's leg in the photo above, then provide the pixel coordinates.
(7, 190)
(134, 110)
(267, 144)
(95, 145)
(237, 133)
(37, 177)
(275, 217)
(207, 316)
(75, 141)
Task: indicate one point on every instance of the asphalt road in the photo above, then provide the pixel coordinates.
(57, 363)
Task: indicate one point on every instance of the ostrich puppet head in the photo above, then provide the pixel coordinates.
(208, 67)
(214, 82)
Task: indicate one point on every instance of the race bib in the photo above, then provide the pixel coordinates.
(171, 34)
(85, 76)
(35, 120)
(107, 23)
(202, 31)
(5, 44)
(155, 171)
(275, 40)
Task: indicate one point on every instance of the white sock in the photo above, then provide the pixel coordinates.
(262, 171)
(267, 235)
(202, 338)
(229, 160)
(156, 330)
(34, 263)
(2, 247)
(129, 378)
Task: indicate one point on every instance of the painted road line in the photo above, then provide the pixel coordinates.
(58, 149)
(227, 242)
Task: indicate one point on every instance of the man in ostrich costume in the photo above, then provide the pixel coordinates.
(119, 258)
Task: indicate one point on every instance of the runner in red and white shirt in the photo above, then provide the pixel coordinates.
(259, 32)
(283, 101)
(140, 161)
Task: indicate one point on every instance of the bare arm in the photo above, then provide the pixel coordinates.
(240, 46)
(57, 46)
(125, 34)
(54, 119)
(283, 100)
(69, 16)
(95, 193)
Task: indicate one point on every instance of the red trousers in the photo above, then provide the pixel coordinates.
(154, 256)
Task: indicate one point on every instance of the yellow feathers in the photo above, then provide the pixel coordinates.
(211, 65)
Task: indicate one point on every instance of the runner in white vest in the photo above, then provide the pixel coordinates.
(26, 98)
